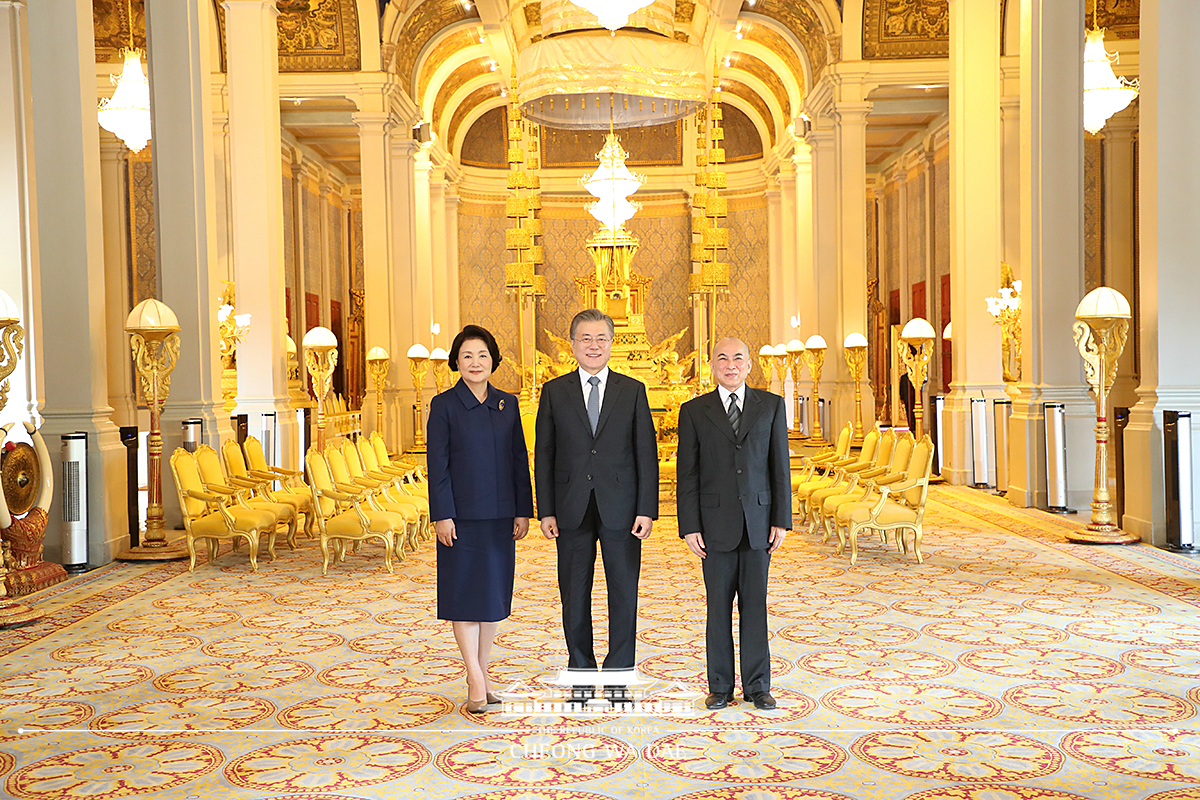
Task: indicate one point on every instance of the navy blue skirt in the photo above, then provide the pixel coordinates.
(475, 576)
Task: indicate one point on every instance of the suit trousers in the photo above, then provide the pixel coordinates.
(740, 573)
(622, 554)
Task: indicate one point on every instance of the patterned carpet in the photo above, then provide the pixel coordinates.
(1010, 665)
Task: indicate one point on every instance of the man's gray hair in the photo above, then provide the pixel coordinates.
(593, 315)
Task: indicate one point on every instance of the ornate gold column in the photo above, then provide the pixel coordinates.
(378, 363)
(764, 364)
(441, 368)
(794, 351)
(855, 351)
(154, 339)
(1102, 324)
(914, 348)
(320, 356)
(814, 356)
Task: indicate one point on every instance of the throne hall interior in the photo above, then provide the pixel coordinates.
(348, 164)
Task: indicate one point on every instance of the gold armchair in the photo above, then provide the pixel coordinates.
(210, 516)
(247, 475)
(837, 474)
(906, 512)
(347, 516)
(829, 506)
(242, 491)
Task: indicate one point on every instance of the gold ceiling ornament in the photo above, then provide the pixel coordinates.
(1104, 94)
(126, 114)
(638, 77)
(521, 281)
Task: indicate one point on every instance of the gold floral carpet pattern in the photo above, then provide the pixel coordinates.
(1012, 665)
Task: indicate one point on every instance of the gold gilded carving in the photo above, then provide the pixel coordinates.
(444, 49)
(314, 35)
(456, 80)
(648, 146)
(685, 10)
(906, 29)
(748, 95)
(742, 140)
(1120, 18)
(480, 95)
(1093, 212)
(425, 22)
(110, 21)
(771, 39)
(143, 257)
(533, 14)
(799, 18)
(759, 69)
(682, 36)
(482, 146)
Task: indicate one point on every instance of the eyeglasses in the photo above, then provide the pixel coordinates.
(600, 340)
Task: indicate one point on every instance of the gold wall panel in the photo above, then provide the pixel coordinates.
(744, 92)
(742, 140)
(425, 22)
(906, 28)
(485, 144)
(1093, 212)
(1121, 18)
(746, 312)
(799, 18)
(314, 35)
(648, 146)
(143, 242)
(480, 95)
(771, 39)
(482, 301)
(459, 40)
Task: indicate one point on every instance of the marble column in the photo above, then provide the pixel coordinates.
(1168, 294)
(1120, 238)
(976, 232)
(252, 63)
(1051, 265)
(71, 322)
(824, 278)
(786, 307)
(804, 292)
(18, 258)
(374, 144)
(850, 138)
(775, 263)
(114, 188)
(411, 315)
(438, 278)
(189, 276)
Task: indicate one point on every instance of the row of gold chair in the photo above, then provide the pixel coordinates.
(851, 493)
(240, 501)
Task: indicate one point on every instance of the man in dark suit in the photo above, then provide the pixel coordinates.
(596, 468)
(734, 496)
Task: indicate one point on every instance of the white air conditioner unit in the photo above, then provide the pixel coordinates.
(74, 501)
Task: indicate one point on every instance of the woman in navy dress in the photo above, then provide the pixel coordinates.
(480, 499)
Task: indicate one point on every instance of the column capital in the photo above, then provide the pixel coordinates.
(818, 138)
(851, 113)
(371, 122)
(405, 147)
(250, 5)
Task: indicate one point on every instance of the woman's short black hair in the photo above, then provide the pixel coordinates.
(474, 332)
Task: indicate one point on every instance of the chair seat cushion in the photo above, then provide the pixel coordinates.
(281, 511)
(301, 500)
(244, 519)
(408, 512)
(836, 505)
(820, 496)
(892, 513)
(807, 489)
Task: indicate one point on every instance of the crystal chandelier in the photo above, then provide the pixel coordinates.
(126, 114)
(611, 184)
(1104, 94)
(612, 14)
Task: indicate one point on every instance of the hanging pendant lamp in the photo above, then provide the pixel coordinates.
(612, 14)
(126, 114)
(1104, 94)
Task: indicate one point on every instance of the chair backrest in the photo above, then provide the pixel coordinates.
(381, 452)
(319, 478)
(919, 466)
(870, 444)
(902, 454)
(887, 446)
(187, 478)
(337, 464)
(235, 462)
(209, 465)
(367, 454)
(254, 455)
(350, 453)
(843, 442)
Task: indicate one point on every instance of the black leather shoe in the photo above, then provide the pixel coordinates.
(763, 701)
(617, 694)
(717, 700)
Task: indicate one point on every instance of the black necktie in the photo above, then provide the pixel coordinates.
(735, 414)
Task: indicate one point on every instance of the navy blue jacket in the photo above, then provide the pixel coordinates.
(478, 465)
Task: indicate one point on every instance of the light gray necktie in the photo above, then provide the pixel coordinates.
(735, 414)
(593, 403)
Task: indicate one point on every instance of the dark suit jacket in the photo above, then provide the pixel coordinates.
(478, 465)
(620, 463)
(725, 482)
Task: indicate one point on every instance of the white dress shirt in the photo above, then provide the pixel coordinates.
(584, 375)
(740, 394)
